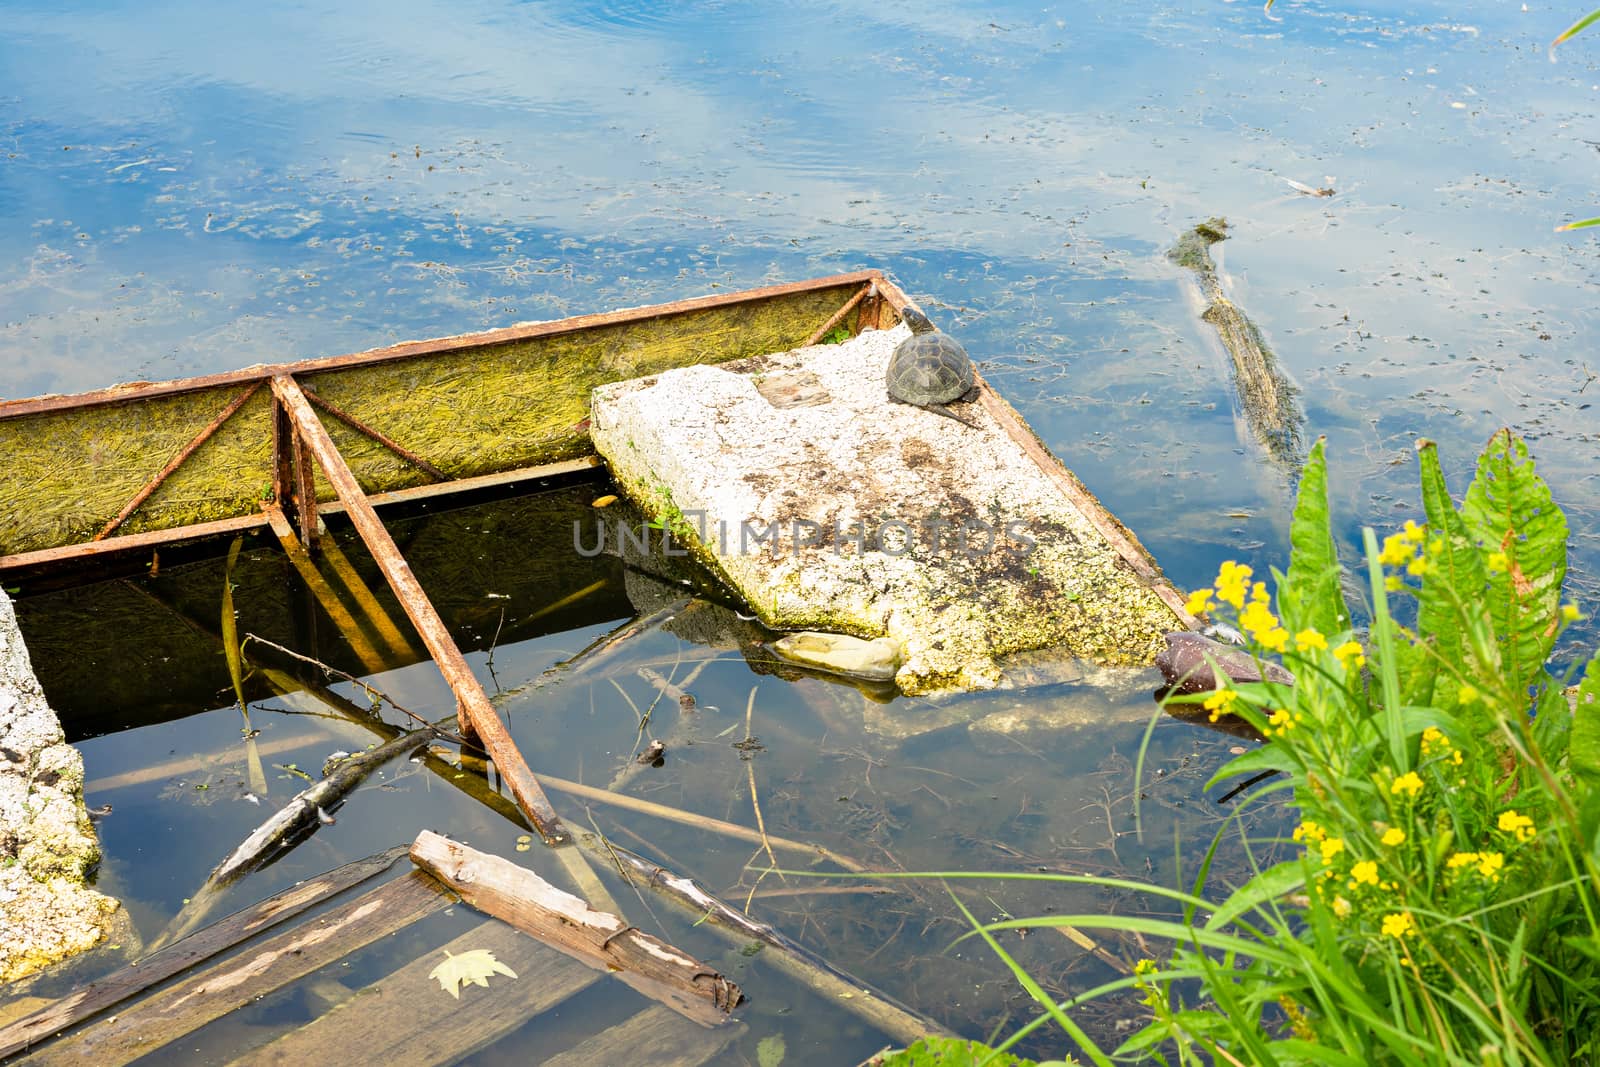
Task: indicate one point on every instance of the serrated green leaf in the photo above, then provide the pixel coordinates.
(1459, 578)
(1508, 508)
(1583, 750)
(1310, 595)
(950, 1052)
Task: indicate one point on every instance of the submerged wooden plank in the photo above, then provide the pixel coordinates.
(655, 1035)
(604, 941)
(473, 405)
(113, 989)
(406, 1017)
(169, 1013)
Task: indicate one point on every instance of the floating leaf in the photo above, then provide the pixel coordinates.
(771, 1050)
(475, 966)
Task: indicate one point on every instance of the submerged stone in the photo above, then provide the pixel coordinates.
(826, 506)
(876, 660)
(1187, 664)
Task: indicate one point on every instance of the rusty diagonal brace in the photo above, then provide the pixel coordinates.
(475, 715)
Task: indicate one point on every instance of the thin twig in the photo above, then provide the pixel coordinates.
(755, 802)
(373, 693)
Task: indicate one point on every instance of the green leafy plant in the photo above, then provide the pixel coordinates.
(1440, 905)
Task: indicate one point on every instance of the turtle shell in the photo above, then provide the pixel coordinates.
(929, 368)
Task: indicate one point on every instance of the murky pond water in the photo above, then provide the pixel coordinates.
(186, 188)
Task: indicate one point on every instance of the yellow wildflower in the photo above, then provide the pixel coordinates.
(1433, 739)
(1258, 593)
(1232, 579)
(1394, 836)
(1349, 652)
(1489, 865)
(1398, 924)
(1200, 601)
(1467, 694)
(1570, 613)
(1309, 831)
(1331, 847)
(1512, 823)
(1282, 720)
(1498, 563)
(1408, 782)
(1308, 639)
(1401, 548)
(1341, 907)
(1393, 583)
(1461, 859)
(1275, 639)
(1364, 873)
(1220, 703)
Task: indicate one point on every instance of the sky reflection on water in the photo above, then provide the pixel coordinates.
(187, 188)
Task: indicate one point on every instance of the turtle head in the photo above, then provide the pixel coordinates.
(916, 320)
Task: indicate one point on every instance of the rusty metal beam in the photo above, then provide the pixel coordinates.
(475, 715)
(377, 435)
(142, 390)
(838, 316)
(177, 461)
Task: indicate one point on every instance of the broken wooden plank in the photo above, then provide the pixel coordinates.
(405, 1017)
(169, 1013)
(475, 714)
(655, 1034)
(602, 940)
(117, 987)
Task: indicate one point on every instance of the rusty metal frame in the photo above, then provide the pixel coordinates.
(475, 715)
(120, 394)
(377, 435)
(177, 460)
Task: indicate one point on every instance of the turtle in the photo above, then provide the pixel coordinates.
(930, 369)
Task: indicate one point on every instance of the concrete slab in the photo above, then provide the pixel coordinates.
(47, 844)
(827, 507)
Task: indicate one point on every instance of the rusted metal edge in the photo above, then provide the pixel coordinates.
(1118, 536)
(377, 435)
(838, 316)
(152, 539)
(476, 716)
(119, 394)
(177, 461)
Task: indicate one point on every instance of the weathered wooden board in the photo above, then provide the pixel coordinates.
(111, 990)
(169, 1013)
(406, 1017)
(657, 1036)
(599, 939)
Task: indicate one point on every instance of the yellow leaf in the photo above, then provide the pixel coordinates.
(475, 966)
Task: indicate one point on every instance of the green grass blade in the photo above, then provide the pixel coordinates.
(1062, 1019)
(1572, 31)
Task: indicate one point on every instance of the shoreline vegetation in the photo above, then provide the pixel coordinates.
(1440, 906)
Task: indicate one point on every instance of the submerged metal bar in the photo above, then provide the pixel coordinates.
(377, 435)
(838, 316)
(177, 461)
(475, 715)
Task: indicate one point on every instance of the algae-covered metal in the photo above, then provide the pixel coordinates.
(467, 406)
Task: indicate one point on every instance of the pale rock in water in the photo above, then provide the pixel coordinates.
(875, 660)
